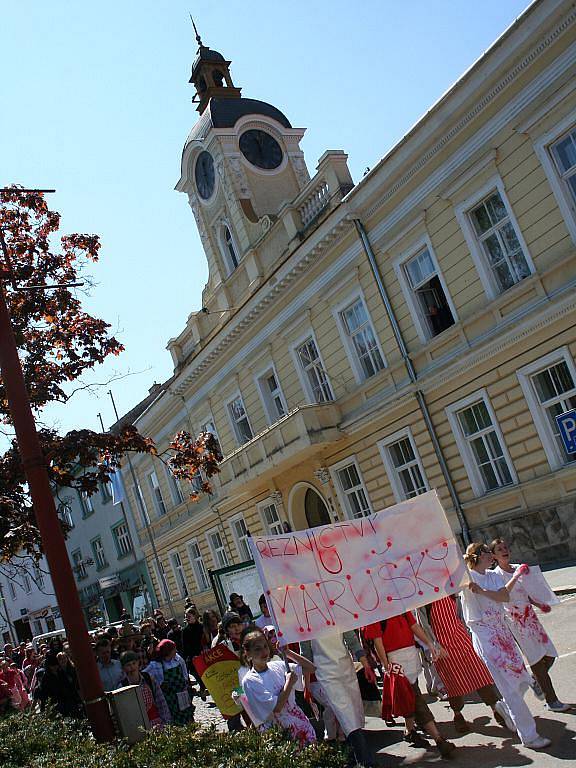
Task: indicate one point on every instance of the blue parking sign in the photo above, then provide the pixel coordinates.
(567, 426)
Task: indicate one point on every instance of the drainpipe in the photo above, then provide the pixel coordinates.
(420, 399)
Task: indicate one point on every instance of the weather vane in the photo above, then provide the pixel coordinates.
(198, 38)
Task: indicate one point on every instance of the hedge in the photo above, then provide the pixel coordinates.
(31, 740)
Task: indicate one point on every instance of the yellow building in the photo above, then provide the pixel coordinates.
(360, 344)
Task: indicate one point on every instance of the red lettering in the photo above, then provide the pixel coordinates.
(262, 548)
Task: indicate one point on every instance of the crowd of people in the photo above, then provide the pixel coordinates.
(489, 642)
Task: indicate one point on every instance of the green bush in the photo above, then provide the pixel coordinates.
(29, 740)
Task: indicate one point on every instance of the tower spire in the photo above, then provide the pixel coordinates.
(198, 38)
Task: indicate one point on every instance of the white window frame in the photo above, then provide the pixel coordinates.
(266, 396)
(198, 566)
(472, 470)
(342, 494)
(99, 553)
(240, 540)
(262, 507)
(139, 494)
(391, 470)
(524, 374)
(213, 550)
(175, 490)
(542, 147)
(38, 577)
(86, 504)
(12, 589)
(156, 491)
(302, 375)
(479, 258)
(177, 565)
(65, 512)
(420, 322)
(346, 338)
(125, 539)
(228, 263)
(235, 431)
(79, 564)
(204, 426)
(163, 585)
(26, 583)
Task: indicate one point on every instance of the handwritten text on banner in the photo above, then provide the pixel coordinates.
(349, 574)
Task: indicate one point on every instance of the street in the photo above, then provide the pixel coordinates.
(488, 745)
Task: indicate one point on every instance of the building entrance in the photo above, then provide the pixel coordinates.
(315, 509)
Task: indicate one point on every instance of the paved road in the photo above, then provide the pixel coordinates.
(488, 746)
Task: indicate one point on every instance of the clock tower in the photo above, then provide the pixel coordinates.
(241, 164)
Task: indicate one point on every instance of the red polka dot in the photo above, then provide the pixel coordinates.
(368, 571)
(407, 557)
(300, 629)
(422, 553)
(333, 623)
(348, 576)
(444, 543)
(389, 598)
(283, 610)
(420, 592)
(451, 583)
(267, 591)
(355, 615)
(388, 543)
(317, 583)
(302, 586)
(280, 633)
(436, 589)
(328, 623)
(331, 602)
(426, 551)
(373, 551)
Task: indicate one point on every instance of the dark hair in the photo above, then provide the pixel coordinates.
(494, 543)
(252, 629)
(128, 657)
(262, 599)
(102, 641)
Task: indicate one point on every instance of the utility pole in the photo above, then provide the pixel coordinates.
(34, 464)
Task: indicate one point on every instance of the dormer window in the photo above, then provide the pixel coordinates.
(229, 250)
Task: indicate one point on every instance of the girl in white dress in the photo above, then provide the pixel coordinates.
(530, 635)
(269, 689)
(482, 604)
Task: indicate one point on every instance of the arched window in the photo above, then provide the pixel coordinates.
(228, 248)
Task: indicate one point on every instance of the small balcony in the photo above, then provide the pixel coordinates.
(291, 440)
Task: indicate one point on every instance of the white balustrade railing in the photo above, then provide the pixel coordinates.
(314, 203)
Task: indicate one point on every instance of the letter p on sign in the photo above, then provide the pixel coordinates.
(567, 426)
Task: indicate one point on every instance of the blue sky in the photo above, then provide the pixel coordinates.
(96, 104)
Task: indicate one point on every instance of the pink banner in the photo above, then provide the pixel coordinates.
(349, 574)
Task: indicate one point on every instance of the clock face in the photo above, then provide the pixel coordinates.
(204, 175)
(261, 149)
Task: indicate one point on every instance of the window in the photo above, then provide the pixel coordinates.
(37, 626)
(157, 493)
(106, 492)
(241, 537)
(351, 491)
(218, 549)
(197, 562)
(122, 538)
(272, 396)
(162, 581)
(141, 503)
(498, 238)
(549, 386)
(65, 513)
(179, 576)
(175, 489)
(99, 554)
(228, 247)
(427, 293)
(12, 589)
(208, 426)
(86, 504)
(79, 566)
(481, 444)
(564, 154)
(557, 152)
(316, 378)
(239, 419)
(26, 583)
(361, 340)
(403, 465)
(271, 518)
(38, 577)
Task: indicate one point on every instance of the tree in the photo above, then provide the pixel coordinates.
(58, 342)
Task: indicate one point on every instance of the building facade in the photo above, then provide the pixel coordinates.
(107, 561)
(361, 344)
(28, 605)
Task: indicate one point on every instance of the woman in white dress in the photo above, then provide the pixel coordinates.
(530, 635)
(482, 604)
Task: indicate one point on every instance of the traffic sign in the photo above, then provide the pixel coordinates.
(567, 426)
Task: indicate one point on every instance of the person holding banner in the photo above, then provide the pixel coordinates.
(269, 689)
(530, 635)
(482, 604)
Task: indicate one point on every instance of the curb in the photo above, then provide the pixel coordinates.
(565, 590)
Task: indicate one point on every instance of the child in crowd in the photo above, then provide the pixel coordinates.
(154, 700)
(269, 688)
(394, 641)
(169, 670)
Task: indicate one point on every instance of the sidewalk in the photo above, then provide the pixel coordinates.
(562, 580)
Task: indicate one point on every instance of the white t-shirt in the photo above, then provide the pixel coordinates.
(264, 621)
(476, 607)
(263, 688)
